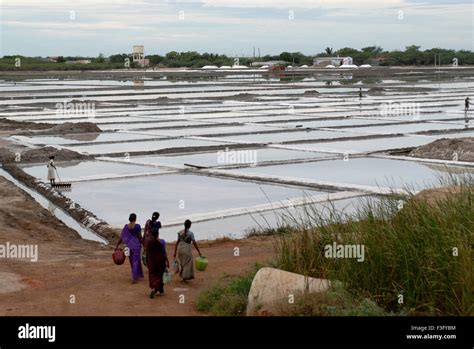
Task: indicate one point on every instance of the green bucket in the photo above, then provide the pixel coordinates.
(201, 263)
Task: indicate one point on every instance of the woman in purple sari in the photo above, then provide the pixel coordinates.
(132, 237)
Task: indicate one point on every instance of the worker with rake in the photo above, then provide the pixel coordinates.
(51, 171)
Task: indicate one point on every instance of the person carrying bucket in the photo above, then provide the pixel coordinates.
(157, 262)
(132, 237)
(51, 171)
(183, 249)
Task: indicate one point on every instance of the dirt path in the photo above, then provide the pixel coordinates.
(69, 267)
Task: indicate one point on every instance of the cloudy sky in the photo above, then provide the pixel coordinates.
(233, 27)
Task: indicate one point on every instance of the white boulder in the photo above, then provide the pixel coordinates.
(272, 286)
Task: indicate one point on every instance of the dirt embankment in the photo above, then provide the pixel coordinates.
(77, 277)
(80, 214)
(10, 160)
(40, 155)
(458, 149)
(26, 127)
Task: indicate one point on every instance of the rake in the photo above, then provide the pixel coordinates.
(61, 185)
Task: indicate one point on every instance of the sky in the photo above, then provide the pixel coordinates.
(232, 27)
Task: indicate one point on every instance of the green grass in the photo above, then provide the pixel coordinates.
(228, 297)
(335, 302)
(408, 251)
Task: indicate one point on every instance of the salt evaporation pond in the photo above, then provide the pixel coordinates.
(175, 195)
(362, 171)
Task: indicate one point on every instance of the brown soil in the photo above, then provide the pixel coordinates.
(41, 155)
(310, 93)
(433, 196)
(446, 149)
(11, 125)
(45, 128)
(69, 266)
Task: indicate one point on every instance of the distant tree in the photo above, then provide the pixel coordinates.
(119, 58)
(173, 55)
(328, 50)
(100, 59)
(286, 56)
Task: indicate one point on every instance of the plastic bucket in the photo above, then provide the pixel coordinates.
(119, 257)
(201, 263)
(167, 277)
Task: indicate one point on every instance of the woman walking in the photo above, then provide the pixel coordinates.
(151, 223)
(51, 170)
(157, 262)
(183, 249)
(132, 237)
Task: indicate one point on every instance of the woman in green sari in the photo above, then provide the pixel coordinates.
(183, 249)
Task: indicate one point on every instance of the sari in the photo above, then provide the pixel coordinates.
(185, 255)
(130, 238)
(156, 263)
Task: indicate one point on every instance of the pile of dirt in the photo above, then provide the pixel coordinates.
(165, 100)
(376, 90)
(31, 128)
(41, 155)
(311, 93)
(78, 127)
(12, 125)
(243, 97)
(457, 149)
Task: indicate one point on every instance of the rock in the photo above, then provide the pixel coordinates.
(271, 286)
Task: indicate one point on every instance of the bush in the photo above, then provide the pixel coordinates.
(228, 297)
(408, 251)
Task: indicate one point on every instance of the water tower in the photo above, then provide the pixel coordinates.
(138, 53)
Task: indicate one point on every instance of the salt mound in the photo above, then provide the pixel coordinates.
(208, 67)
(365, 66)
(304, 66)
(264, 67)
(239, 67)
(330, 66)
(349, 66)
(226, 67)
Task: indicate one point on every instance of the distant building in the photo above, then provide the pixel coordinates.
(53, 59)
(138, 55)
(324, 61)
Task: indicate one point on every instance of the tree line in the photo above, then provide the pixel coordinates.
(412, 55)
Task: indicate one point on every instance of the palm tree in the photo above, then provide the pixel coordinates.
(328, 50)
